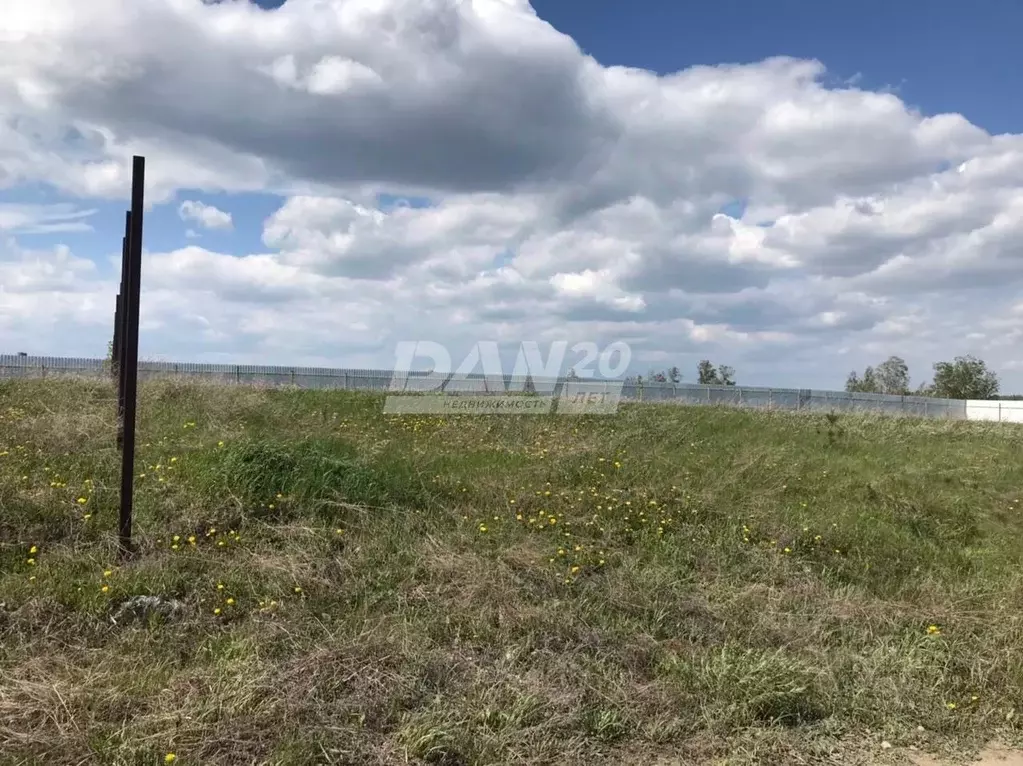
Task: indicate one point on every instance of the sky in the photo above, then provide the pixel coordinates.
(788, 188)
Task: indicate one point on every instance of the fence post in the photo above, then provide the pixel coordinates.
(237, 373)
(123, 328)
(115, 347)
(130, 357)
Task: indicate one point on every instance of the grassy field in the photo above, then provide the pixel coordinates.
(667, 585)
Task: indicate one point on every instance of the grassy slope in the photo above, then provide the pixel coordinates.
(668, 583)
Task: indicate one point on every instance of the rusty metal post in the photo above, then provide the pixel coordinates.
(130, 354)
(121, 329)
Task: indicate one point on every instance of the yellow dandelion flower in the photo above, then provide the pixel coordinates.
(107, 572)
(230, 602)
(170, 758)
(298, 589)
(217, 610)
(34, 549)
(105, 588)
(82, 501)
(933, 630)
(30, 562)
(87, 516)
(950, 705)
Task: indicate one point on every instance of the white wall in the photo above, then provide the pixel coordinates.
(1006, 412)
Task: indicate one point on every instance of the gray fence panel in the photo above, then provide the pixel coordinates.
(17, 366)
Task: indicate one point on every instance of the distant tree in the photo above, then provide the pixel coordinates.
(889, 377)
(866, 385)
(924, 389)
(966, 377)
(658, 376)
(572, 374)
(706, 373)
(675, 375)
(709, 375)
(893, 376)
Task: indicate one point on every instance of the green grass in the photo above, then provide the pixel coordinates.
(666, 585)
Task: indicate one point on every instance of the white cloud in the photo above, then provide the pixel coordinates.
(566, 199)
(207, 216)
(43, 219)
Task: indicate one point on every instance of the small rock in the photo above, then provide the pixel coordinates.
(141, 607)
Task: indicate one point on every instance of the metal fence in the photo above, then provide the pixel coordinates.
(17, 366)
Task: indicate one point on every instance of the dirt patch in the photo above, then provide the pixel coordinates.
(989, 756)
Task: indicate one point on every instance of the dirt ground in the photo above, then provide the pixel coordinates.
(990, 756)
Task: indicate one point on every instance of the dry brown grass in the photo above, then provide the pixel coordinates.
(718, 586)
